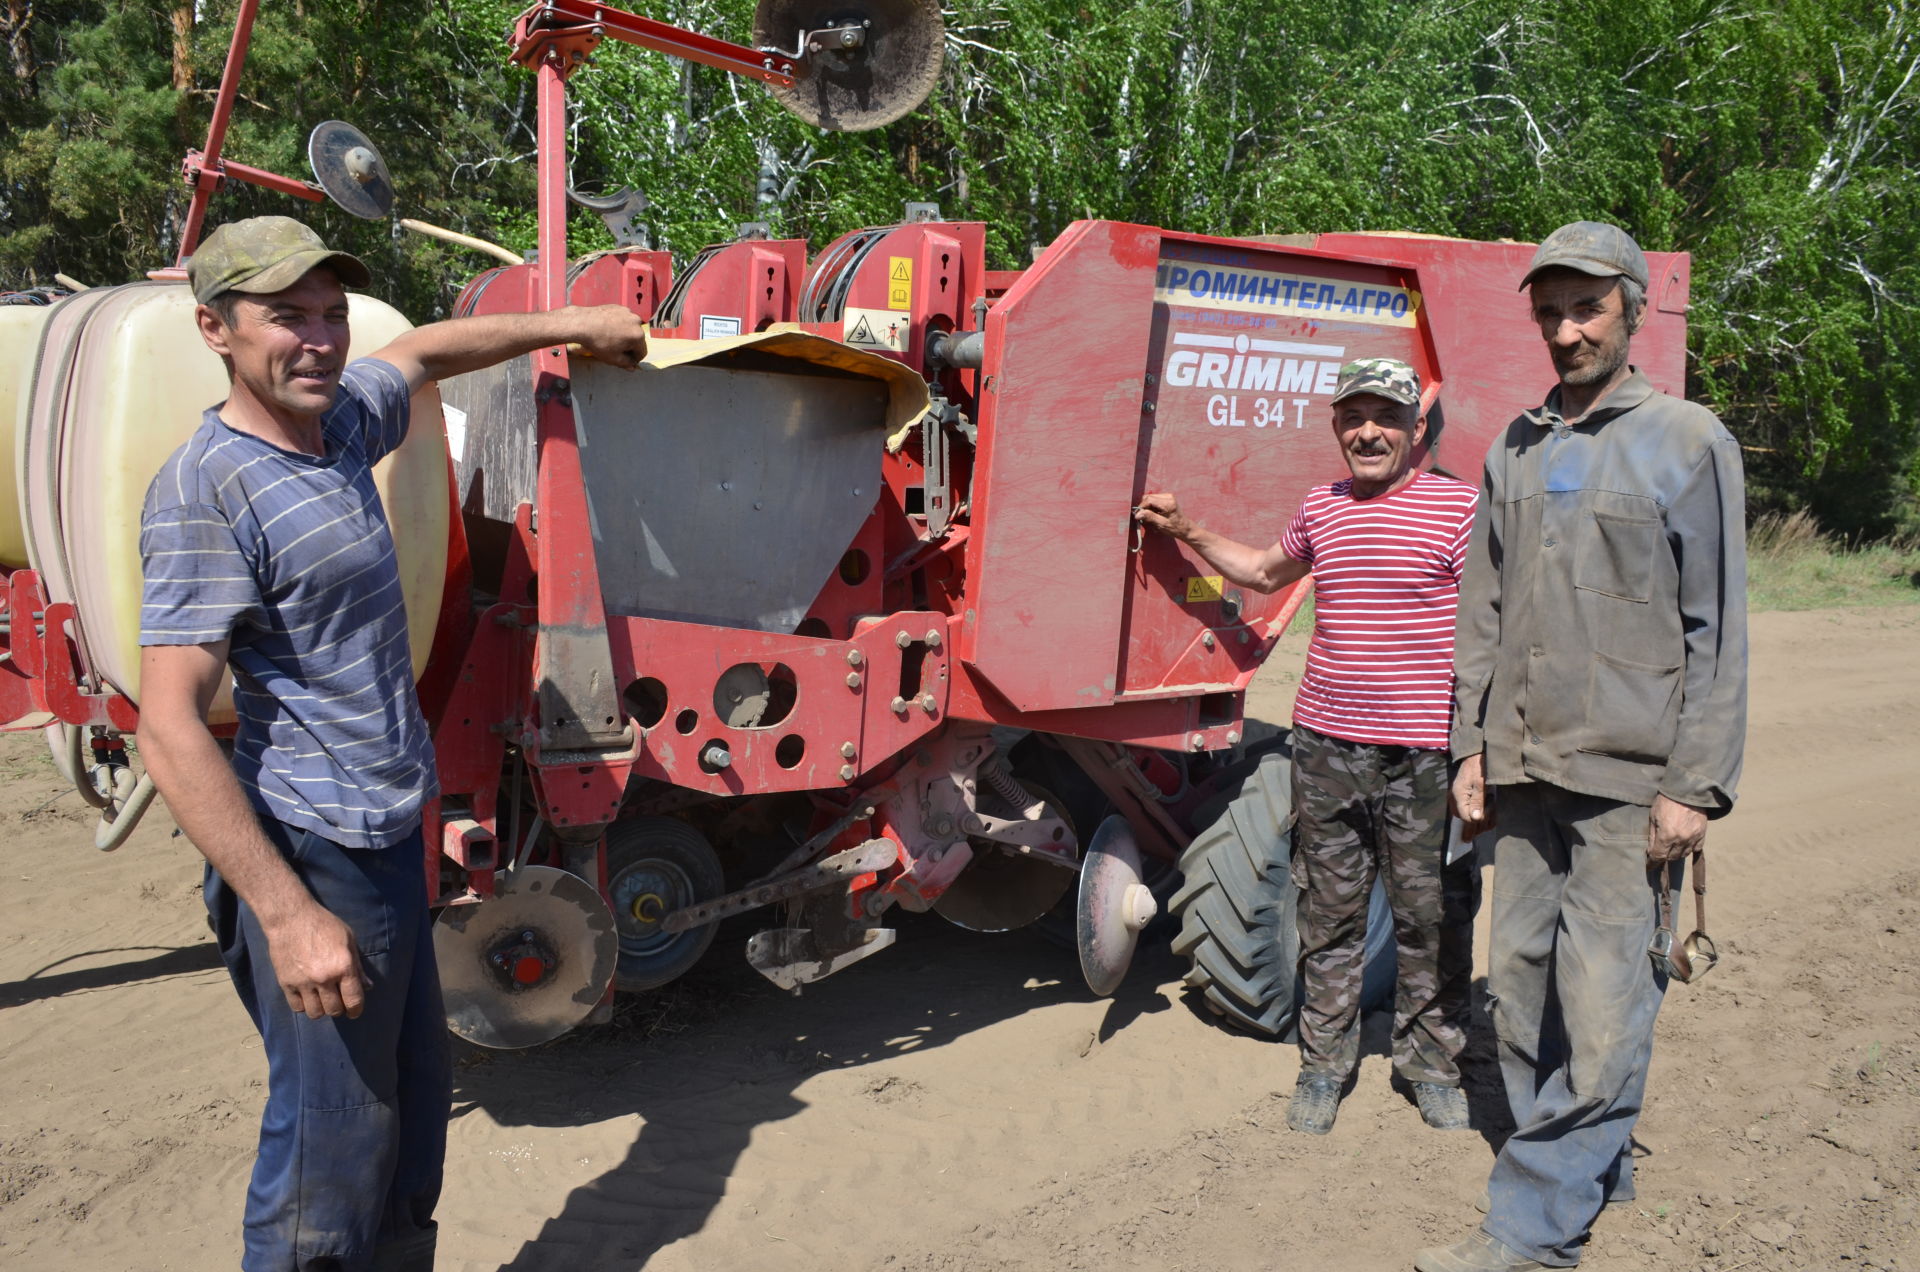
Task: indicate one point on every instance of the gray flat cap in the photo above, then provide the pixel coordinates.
(1592, 247)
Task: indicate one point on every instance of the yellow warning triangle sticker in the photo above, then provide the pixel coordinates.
(902, 269)
(862, 333)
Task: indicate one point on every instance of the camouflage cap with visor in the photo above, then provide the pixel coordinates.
(265, 254)
(1389, 378)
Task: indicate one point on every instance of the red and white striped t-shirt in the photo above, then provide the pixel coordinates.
(1386, 580)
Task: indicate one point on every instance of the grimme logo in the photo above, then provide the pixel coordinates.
(1266, 381)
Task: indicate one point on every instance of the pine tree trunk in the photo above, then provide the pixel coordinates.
(20, 45)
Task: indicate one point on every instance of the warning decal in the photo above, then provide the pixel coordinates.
(899, 282)
(875, 329)
(1204, 587)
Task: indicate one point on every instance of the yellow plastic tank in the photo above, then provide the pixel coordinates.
(19, 337)
(122, 380)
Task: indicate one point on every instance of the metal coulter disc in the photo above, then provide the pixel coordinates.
(1000, 891)
(528, 964)
(892, 70)
(350, 170)
(1114, 905)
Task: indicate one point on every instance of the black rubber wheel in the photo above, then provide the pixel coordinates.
(1237, 909)
(655, 865)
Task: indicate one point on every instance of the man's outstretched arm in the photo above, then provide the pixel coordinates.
(609, 333)
(1250, 567)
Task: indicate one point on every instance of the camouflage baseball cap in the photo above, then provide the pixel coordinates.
(1592, 247)
(1390, 378)
(265, 254)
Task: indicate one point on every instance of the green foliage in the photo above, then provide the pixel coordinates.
(1772, 142)
(93, 136)
(1792, 566)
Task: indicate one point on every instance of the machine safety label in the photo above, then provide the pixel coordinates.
(899, 282)
(1205, 587)
(875, 329)
(1255, 291)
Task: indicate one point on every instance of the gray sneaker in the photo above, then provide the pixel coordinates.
(1443, 1107)
(1478, 1253)
(1316, 1099)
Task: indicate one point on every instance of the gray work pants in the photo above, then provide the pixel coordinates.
(1575, 997)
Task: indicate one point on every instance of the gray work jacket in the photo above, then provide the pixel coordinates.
(1601, 644)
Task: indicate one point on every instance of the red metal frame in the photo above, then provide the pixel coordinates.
(42, 675)
(736, 288)
(564, 33)
(204, 170)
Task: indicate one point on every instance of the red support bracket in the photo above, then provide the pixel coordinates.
(202, 173)
(570, 30)
(62, 691)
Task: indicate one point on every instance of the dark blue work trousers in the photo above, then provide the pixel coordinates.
(354, 1136)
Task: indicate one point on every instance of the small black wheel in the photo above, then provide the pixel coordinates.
(656, 865)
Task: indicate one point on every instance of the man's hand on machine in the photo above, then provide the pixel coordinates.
(316, 962)
(612, 334)
(1161, 511)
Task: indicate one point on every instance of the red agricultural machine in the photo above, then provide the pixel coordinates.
(837, 605)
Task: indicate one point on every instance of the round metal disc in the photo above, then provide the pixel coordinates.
(890, 73)
(1000, 891)
(1109, 873)
(741, 695)
(350, 170)
(505, 990)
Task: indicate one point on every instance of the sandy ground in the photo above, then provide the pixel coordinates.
(961, 1102)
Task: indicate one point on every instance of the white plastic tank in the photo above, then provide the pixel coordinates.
(121, 380)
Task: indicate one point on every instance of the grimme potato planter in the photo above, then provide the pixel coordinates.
(834, 607)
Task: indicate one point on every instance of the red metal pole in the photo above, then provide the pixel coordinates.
(552, 140)
(579, 704)
(207, 178)
(272, 181)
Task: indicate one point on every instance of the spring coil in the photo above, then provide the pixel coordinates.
(1004, 784)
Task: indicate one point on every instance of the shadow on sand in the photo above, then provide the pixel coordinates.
(165, 960)
(719, 1054)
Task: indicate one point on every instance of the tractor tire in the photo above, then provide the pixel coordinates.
(654, 865)
(1238, 909)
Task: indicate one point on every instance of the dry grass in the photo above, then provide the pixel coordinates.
(1791, 565)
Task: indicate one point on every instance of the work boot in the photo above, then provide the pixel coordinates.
(1316, 1099)
(1478, 1253)
(1443, 1107)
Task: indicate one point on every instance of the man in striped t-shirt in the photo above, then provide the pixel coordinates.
(268, 557)
(1385, 547)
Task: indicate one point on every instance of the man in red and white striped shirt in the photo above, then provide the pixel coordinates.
(1385, 548)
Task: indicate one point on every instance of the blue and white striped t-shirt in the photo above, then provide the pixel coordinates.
(289, 557)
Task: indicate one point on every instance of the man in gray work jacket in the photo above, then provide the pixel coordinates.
(1601, 657)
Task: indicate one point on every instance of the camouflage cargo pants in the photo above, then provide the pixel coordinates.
(1362, 810)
